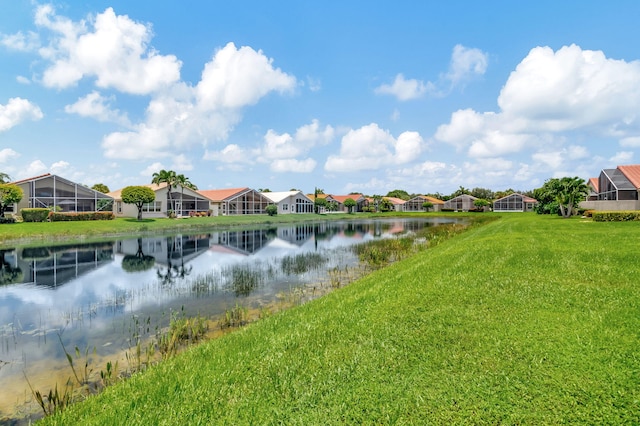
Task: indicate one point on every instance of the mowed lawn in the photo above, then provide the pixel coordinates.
(525, 320)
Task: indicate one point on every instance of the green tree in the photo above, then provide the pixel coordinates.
(4, 178)
(484, 193)
(100, 187)
(350, 203)
(9, 194)
(481, 203)
(139, 196)
(567, 192)
(271, 209)
(169, 177)
(399, 193)
(460, 191)
(427, 206)
(184, 182)
(319, 203)
(385, 205)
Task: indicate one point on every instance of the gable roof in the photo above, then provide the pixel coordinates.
(525, 199)
(632, 172)
(432, 200)
(30, 179)
(276, 197)
(342, 198)
(595, 183)
(117, 194)
(222, 194)
(395, 200)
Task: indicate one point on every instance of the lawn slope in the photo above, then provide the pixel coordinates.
(526, 320)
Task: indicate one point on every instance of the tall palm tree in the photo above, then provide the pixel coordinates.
(168, 177)
(184, 182)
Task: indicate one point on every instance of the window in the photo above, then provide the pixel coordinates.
(153, 207)
(285, 207)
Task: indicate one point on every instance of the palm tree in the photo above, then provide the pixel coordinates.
(568, 192)
(184, 181)
(4, 178)
(168, 177)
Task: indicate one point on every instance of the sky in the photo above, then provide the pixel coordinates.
(346, 96)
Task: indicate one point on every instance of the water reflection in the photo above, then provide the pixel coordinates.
(94, 295)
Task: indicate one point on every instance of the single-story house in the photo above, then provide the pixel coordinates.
(236, 201)
(461, 203)
(593, 184)
(181, 201)
(617, 189)
(312, 197)
(290, 201)
(397, 203)
(514, 203)
(360, 200)
(416, 204)
(54, 192)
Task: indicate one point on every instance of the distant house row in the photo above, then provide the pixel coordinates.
(52, 191)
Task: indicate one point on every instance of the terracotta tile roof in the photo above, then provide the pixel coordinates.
(221, 194)
(395, 200)
(432, 200)
(312, 197)
(31, 178)
(341, 198)
(595, 183)
(632, 172)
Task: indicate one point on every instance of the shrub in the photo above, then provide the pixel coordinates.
(34, 214)
(7, 220)
(617, 216)
(272, 210)
(69, 217)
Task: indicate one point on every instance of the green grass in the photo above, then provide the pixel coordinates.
(525, 320)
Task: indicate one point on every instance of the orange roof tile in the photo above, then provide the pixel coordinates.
(117, 194)
(595, 183)
(221, 194)
(632, 172)
(395, 200)
(341, 198)
(31, 178)
(432, 200)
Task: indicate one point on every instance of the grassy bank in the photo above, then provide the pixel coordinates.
(526, 320)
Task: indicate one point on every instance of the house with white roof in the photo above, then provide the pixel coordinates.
(290, 201)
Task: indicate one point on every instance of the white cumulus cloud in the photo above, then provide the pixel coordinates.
(16, 111)
(99, 107)
(404, 89)
(112, 48)
(466, 63)
(7, 154)
(370, 147)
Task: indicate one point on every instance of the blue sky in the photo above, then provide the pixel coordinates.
(357, 96)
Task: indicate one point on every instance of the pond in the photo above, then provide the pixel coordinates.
(99, 301)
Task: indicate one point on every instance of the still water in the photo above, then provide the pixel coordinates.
(101, 297)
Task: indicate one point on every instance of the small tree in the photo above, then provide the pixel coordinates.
(319, 203)
(9, 194)
(480, 204)
(271, 209)
(427, 205)
(138, 195)
(350, 203)
(100, 187)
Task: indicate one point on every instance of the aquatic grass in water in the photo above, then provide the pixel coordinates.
(301, 263)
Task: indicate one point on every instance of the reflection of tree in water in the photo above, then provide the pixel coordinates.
(138, 262)
(173, 272)
(9, 274)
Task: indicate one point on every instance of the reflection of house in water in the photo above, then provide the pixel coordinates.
(166, 250)
(296, 234)
(57, 265)
(243, 242)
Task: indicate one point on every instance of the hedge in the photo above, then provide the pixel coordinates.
(34, 214)
(618, 216)
(68, 217)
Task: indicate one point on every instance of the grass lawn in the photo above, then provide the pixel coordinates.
(526, 320)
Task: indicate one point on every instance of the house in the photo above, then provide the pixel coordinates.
(617, 189)
(236, 201)
(360, 200)
(181, 201)
(322, 208)
(397, 203)
(514, 203)
(461, 203)
(290, 201)
(416, 204)
(54, 192)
